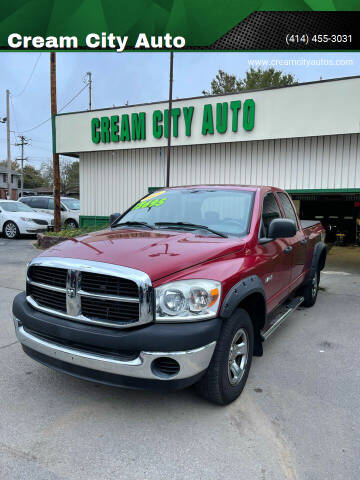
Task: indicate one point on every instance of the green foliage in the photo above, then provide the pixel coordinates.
(33, 177)
(69, 174)
(14, 165)
(254, 79)
(73, 232)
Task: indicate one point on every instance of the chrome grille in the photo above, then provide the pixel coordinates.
(48, 275)
(100, 308)
(40, 222)
(90, 292)
(96, 283)
(47, 298)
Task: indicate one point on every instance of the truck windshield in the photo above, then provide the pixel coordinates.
(225, 211)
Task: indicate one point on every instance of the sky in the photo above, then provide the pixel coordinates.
(131, 77)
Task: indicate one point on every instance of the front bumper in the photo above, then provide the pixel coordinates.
(36, 230)
(61, 344)
(31, 227)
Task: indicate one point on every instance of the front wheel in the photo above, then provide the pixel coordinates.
(11, 230)
(229, 368)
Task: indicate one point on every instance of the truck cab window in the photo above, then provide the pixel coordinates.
(287, 207)
(270, 211)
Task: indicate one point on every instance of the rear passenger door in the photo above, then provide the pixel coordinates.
(40, 204)
(274, 262)
(297, 243)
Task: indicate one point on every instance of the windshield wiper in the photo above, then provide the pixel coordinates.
(193, 226)
(134, 224)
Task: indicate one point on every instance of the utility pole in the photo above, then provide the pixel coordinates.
(169, 121)
(23, 141)
(56, 168)
(8, 143)
(90, 84)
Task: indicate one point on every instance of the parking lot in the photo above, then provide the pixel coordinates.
(298, 418)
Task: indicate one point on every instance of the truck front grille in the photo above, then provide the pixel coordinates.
(48, 275)
(47, 298)
(72, 291)
(114, 311)
(96, 283)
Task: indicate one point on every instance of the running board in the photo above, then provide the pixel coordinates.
(290, 308)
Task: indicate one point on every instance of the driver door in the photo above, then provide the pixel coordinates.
(274, 260)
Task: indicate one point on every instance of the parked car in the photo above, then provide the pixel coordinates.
(70, 208)
(17, 218)
(182, 289)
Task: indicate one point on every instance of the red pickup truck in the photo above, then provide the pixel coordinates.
(182, 289)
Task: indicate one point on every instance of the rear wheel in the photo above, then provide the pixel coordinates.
(71, 223)
(11, 230)
(229, 368)
(310, 291)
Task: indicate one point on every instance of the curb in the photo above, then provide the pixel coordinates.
(46, 241)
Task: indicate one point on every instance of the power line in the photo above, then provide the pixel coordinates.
(48, 119)
(30, 77)
(70, 101)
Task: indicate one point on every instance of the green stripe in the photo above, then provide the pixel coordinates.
(93, 221)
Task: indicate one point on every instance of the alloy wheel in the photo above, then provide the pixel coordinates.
(238, 356)
(314, 285)
(71, 224)
(10, 230)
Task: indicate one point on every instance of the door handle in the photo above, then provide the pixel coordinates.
(304, 241)
(288, 249)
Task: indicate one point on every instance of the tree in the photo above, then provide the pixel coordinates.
(14, 165)
(69, 174)
(33, 177)
(254, 78)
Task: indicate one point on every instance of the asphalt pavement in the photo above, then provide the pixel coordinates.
(298, 417)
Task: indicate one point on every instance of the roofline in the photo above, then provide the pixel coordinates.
(210, 96)
(227, 186)
(5, 170)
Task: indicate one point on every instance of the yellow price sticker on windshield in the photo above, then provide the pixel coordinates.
(157, 202)
(153, 195)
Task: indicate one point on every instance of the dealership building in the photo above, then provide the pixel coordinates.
(303, 138)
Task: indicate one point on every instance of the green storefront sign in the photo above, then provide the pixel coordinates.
(216, 119)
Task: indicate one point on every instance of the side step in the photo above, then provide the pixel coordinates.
(281, 316)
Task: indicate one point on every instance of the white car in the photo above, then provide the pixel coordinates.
(70, 208)
(17, 218)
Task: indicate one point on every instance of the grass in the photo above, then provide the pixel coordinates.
(73, 232)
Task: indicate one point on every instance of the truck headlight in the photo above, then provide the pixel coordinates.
(187, 300)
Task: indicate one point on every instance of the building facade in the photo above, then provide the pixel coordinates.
(303, 138)
(15, 177)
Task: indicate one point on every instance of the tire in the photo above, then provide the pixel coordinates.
(11, 230)
(310, 291)
(219, 385)
(71, 223)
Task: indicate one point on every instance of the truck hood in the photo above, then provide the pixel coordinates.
(157, 253)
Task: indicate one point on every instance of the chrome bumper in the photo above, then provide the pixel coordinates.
(191, 362)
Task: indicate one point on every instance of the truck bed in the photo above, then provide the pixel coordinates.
(309, 223)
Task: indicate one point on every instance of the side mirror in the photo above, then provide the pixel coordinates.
(114, 217)
(282, 228)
